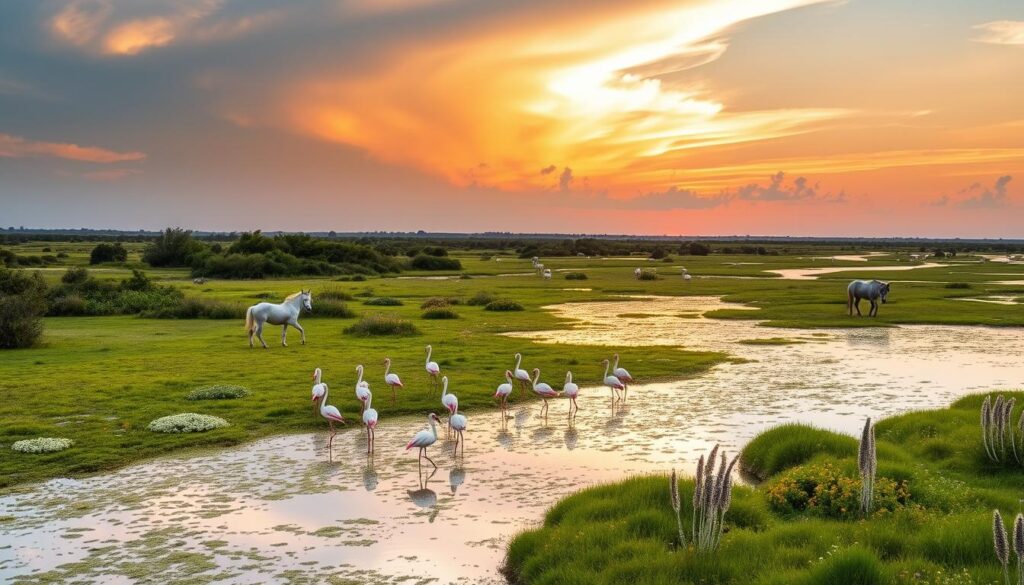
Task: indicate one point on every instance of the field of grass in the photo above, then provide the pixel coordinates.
(100, 380)
(940, 534)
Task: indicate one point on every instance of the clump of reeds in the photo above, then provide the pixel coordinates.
(673, 491)
(712, 495)
(1018, 546)
(1000, 544)
(997, 429)
(867, 463)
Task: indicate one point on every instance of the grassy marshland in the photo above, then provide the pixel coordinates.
(934, 498)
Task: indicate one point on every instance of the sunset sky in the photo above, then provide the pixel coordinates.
(692, 117)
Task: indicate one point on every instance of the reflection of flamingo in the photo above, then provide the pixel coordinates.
(611, 381)
(571, 390)
(433, 370)
(543, 390)
(391, 380)
(318, 390)
(456, 477)
(332, 414)
(458, 424)
(425, 497)
(424, 439)
(370, 420)
(503, 391)
(572, 436)
(520, 374)
(362, 389)
(622, 375)
(369, 474)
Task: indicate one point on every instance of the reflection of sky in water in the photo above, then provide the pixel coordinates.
(278, 511)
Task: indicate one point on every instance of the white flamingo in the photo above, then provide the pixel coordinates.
(392, 380)
(425, 438)
(611, 381)
(448, 400)
(503, 392)
(362, 389)
(458, 424)
(622, 375)
(543, 390)
(571, 390)
(433, 370)
(370, 420)
(332, 414)
(318, 390)
(520, 374)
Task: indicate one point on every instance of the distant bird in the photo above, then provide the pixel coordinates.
(425, 438)
(318, 390)
(433, 370)
(611, 381)
(570, 390)
(520, 374)
(503, 392)
(448, 400)
(370, 420)
(543, 390)
(362, 389)
(332, 414)
(391, 380)
(458, 424)
(622, 375)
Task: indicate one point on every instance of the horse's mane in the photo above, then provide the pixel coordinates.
(292, 296)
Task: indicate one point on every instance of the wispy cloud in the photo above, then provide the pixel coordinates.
(17, 147)
(1001, 32)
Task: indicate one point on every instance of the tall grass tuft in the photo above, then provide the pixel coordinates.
(999, 543)
(712, 497)
(673, 494)
(1018, 546)
(381, 325)
(867, 463)
(997, 429)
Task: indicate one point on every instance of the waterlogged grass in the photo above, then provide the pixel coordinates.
(939, 534)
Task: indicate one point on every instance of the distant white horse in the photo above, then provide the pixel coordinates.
(286, 313)
(872, 290)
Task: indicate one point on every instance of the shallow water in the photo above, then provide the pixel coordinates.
(279, 511)
(814, 273)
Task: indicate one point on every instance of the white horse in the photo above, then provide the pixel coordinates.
(872, 290)
(286, 313)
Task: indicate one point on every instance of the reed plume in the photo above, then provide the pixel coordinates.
(712, 496)
(673, 491)
(1000, 544)
(867, 463)
(1018, 546)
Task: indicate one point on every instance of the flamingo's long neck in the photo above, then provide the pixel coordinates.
(444, 388)
(536, 378)
(508, 376)
(568, 377)
(387, 368)
(360, 370)
(519, 360)
(323, 401)
(607, 365)
(316, 376)
(369, 400)
(429, 350)
(433, 428)
(616, 366)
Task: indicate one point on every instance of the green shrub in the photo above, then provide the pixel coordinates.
(436, 302)
(575, 276)
(218, 392)
(852, 566)
(503, 305)
(22, 305)
(481, 298)
(331, 308)
(67, 306)
(440, 313)
(648, 275)
(75, 276)
(958, 285)
(333, 294)
(789, 445)
(173, 247)
(428, 262)
(383, 302)
(105, 252)
(381, 325)
(820, 489)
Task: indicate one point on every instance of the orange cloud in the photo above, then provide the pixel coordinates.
(18, 147)
(134, 36)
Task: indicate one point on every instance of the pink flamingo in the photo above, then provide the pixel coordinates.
(622, 375)
(503, 392)
(433, 370)
(611, 381)
(392, 380)
(571, 390)
(520, 374)
(332, 414)
(543, 390)
(362, 389)
(448, 400)
(425, 438)
(318, 390)
(370, 420)
(458, 423)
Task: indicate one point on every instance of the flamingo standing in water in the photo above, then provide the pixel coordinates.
(611, 381)
(370, 420)
(622, 375)
(448, 400)
(332, 414)
(543, 390)
(503, 392)
(318, 390)
(433, 370)
(425, 438)
(520, 374)
(571, 390)
(391, 380)
(458, 423)
(362, 389)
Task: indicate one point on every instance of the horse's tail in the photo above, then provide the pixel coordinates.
(250, 322)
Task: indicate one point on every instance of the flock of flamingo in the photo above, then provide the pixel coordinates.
(615, 378)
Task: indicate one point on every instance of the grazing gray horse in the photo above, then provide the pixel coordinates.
(871, 290)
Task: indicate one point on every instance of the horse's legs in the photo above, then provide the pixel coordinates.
(856, 305)
(284, 335)
(302, 331)
(874, 308)
(259, 334)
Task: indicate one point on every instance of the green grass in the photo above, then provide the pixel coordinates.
(625, 532)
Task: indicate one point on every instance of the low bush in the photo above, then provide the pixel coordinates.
(435, 302)
(648, 275)
(383, 302)
(440, 313)
(377, 325)
(958, 285)
(503, 305)
(333, 294)
(42, 445)
(428, 262)
(820, 489)
(789, 445)
(575, 276)
(188, 422)
(22, 305)
(331, 308)
(218, 392)
(480, 299)
(105, 252)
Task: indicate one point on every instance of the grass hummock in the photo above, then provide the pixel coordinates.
(374, 325)
(42, 445)
(503, 305)
(383, 302)
(218, 392)
(187, 422)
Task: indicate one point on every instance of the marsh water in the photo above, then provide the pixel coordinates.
(286, 510)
